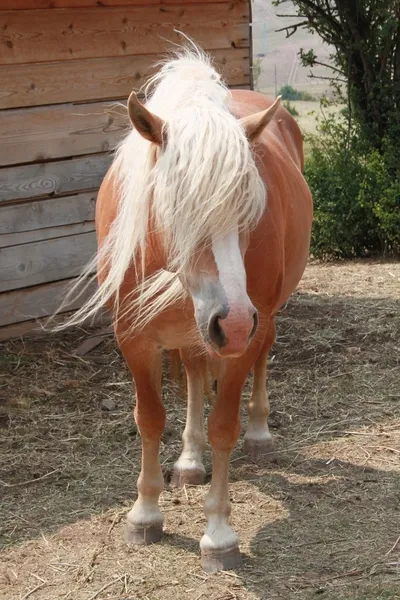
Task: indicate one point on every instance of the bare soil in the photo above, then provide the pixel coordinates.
(318, 518)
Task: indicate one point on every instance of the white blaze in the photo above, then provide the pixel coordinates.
(232, 274)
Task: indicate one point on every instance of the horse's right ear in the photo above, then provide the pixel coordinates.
(256, 123)
(148, 125)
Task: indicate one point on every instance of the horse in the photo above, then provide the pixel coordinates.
(203, 228)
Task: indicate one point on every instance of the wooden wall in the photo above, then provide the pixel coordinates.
(63, 66)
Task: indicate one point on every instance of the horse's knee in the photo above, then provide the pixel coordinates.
(223, 433)
(150, 420)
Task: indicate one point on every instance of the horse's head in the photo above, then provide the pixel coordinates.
(216, 281)
(206, 198)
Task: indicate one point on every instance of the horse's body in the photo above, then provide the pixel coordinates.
(275, 253)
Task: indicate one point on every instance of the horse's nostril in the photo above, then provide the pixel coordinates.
(215, 331)
(255, 324)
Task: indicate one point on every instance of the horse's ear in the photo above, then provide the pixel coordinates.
(255, 124)
(148, 125)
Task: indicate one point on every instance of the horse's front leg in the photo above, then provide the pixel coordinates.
(189, 467)
(219, 545)
(144, 520)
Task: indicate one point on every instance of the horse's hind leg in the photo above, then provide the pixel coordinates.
(189, 467)
(144, 520)
(257, 439)
(176, 374)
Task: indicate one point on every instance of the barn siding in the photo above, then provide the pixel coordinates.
(64, 66)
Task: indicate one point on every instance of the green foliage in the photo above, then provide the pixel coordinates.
(354, 167)
(290, 93)
(356, 195)
(292, 109)
(365, 62)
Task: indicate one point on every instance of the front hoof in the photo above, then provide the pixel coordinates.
(183, 477)
(143, 535)
(257, 448)
(221, 559)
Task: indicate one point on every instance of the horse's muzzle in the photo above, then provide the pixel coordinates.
(231, 332)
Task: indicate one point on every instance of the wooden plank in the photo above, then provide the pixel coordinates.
(92, 342)
(37, 302)
(43, 133)
(233, 64)
(88, 79)
(98, 78)
(63, 34)
(35, 328)
(50, 4)
(44, 4)
(44, 214)
(41, 262)
(56, 178)
(16, 239)
(25, 329)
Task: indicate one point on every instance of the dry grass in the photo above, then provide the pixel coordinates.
(319, 518)
(311, 113)
(310, 116)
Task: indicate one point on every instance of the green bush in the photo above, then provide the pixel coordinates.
(356, 193)
(290, 93)
(292, 109)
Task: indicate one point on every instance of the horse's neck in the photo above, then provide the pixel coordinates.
(155, 258)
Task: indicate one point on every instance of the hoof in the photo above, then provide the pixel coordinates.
(256, 448)
(143, 536)
(221, 560)
(183, 477)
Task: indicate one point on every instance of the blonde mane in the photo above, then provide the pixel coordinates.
(203, 184)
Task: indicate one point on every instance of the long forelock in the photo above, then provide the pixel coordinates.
(205, 181)
(203, 184)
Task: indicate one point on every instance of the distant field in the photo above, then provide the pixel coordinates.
(279, 54)
(280, 63)
(317, 90)
(310, 113)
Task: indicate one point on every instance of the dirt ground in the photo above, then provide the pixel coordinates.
(318, 518)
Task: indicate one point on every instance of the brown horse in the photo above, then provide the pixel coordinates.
(203, 226)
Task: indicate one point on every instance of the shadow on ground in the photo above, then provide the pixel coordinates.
(320, 516)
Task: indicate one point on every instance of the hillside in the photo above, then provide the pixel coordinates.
(280, 54)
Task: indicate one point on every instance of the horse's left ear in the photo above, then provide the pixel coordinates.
(148, 125)
(255, 124)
